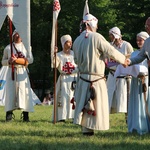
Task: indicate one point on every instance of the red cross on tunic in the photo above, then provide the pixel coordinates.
(68, 67)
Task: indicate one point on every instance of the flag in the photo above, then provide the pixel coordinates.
(56, 10)
(19, 13)
(86, 8)
(85, 12)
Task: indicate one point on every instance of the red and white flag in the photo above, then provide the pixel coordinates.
(56, 10)
(86, 8)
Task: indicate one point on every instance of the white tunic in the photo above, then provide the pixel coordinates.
(68, 73)
(18, 91)
(117, 88)
(89, 54)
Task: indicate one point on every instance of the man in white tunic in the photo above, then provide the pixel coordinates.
(92, 110)
(68, 73)
(18, 90)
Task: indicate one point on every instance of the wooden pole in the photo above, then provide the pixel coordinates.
(10, 37)
(55, 75)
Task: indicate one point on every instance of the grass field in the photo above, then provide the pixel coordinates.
(41, 134)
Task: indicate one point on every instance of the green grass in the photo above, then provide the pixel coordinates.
(42, 134)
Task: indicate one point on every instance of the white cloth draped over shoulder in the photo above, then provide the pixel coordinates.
(131, 70)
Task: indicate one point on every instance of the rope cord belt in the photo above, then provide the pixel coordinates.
(91, 81)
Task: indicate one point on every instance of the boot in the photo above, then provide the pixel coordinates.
(9, 116)
(25, 116)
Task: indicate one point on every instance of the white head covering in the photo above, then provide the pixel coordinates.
(15, 31)
(90, 20)
(116, 32)
(144, 35)
(64, 39)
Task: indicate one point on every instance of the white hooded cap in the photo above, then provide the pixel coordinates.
(15, 31)
(64, 39)
(144, 35)
(115, 31)
(90, 20)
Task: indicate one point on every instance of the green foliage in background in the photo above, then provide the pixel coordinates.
(128, 15)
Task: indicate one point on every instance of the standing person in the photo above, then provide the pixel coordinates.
(137, 119)
(18, 91)
(117, 92)
(145, 51)
(91, 97)
(68, 73)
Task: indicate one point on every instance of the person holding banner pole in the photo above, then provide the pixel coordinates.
(18, 91)
(66, 81)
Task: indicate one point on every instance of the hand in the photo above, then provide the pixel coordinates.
(12, 59)
(127, 62)
(56, 49)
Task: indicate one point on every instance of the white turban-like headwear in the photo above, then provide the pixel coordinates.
(115, 31)
(90, 20)
(15, 31)
(64, 39)
(144, 35)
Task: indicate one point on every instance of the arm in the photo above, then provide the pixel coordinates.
(109, 50)
(57, 57)
(139, 58)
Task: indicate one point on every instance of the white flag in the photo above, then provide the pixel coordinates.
(86, 8)
(56, 10)
(19, 13)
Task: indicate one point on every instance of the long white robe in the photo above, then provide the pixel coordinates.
(89, 54)
(65, 64)
(18, 91)
(117, 88)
